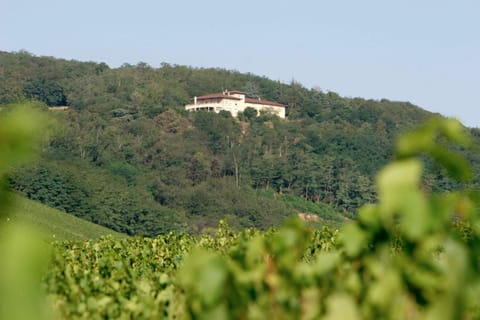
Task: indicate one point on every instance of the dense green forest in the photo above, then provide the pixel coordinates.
(127, 156)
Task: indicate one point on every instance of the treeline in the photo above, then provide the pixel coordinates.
(126, 154)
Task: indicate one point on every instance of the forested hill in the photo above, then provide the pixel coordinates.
(126, 155)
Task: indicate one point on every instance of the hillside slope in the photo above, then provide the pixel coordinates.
(55, 224)
(127, 155)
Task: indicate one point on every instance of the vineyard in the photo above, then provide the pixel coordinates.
(141, 278)
(412, 255)
(295, 272)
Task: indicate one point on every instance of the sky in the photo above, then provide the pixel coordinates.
(426, 52)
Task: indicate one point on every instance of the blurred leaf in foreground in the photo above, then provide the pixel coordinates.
(23, 257)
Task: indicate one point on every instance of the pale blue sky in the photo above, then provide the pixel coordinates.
(424, 51)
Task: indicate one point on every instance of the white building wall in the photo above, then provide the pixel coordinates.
(234, 106)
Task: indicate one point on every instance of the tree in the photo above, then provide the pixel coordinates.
(199, 168)
(250, 113)
(251, 89)
(46, 91)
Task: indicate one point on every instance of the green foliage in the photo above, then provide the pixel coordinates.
(318, 213)
(404, 259)
(52, 187)
(127, 128)
(271, 274)
(129, 278)
(49, 92)
(249, 113)
(23, 256)
(424, 140)
(424, 275)
(413, 255)
(21, 126)
(53, 224)
(23, 264)
(140, 277)
(212, 200)
(124, 170)
(93, 194)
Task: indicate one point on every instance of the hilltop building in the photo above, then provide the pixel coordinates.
(234, 102)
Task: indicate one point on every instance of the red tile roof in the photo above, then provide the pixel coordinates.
(266, 102)
(217, 96)
(235, 92)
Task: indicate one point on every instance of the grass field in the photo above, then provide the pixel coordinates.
(55, 224)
